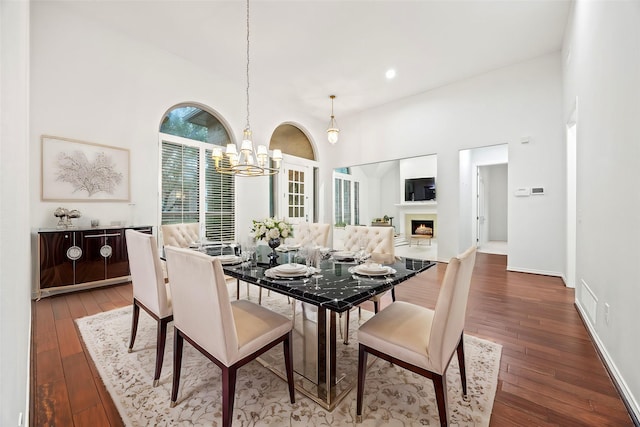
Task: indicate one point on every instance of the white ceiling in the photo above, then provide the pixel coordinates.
(303, 51)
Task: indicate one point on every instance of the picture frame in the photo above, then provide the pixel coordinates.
(79, 171)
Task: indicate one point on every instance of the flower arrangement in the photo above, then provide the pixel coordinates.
(271, 228)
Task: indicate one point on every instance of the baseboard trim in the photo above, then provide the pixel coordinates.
(627, 398)
(534, 271)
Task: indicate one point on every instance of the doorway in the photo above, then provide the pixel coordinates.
(293, 191)
(491, 219)
(483, 200)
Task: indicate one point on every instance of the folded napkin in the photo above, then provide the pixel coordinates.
(343, 255)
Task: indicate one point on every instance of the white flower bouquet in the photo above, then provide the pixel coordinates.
(271, 228)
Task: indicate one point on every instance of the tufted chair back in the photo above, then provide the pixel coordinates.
(379, 241)
(180, 235)
(310, 233)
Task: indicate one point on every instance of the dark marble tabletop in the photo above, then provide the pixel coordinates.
(333, 287)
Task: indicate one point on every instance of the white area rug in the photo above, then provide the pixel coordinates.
(393, 397)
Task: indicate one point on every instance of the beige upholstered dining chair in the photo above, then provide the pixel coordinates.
(420, 339)
(230, 334)
(378, 240)
(149, 290)
(379, 243)
(310, 233)
(180, 235)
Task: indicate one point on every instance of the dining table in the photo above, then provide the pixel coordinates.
(325, 368)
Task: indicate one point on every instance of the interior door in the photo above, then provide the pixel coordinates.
(296, 184)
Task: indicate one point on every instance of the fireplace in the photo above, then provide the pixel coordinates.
(418, 225)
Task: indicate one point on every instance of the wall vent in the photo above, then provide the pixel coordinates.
(589, 302)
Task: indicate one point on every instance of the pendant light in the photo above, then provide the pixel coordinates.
(247, 162)
(332, 132)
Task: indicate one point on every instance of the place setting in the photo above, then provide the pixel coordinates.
(371, 269)
(290, 271)
(288, 247)
(228, 259)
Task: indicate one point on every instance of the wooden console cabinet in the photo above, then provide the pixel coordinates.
(82, 258)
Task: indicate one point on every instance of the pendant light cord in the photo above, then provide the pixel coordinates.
(248, 127)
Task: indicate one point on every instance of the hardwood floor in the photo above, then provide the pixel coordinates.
(550, 372)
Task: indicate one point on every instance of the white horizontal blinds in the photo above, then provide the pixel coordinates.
(180, 183)
(346, 203)
(337, 202)
(219, 203)
(346, 200)
(356, 202)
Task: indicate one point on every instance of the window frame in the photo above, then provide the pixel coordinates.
(203, 147)
(342, 198)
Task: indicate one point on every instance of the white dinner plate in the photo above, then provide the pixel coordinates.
(290, 268)
(363, 270)
(275, 274)
(228, 259)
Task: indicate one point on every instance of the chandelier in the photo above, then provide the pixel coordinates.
(246, 162)
(332, 132)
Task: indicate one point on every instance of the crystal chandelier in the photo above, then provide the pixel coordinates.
(247, 162)
(332, 132)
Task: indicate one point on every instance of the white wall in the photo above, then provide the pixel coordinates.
(15, 277)
(602, 70)
(390, 195)
(107, 88)
(497, 107)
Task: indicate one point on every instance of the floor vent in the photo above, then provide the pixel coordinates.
(589, 302)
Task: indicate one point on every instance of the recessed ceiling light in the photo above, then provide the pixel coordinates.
(391, 73)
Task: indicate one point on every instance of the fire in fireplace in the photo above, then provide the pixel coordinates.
(418, 226)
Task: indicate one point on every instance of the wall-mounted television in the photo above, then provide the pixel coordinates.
(419, 189)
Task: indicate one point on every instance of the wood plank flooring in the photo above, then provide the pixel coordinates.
(550, 372)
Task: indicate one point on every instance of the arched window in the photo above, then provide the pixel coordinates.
(192, 191)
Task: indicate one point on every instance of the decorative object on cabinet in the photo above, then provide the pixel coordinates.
(82, 258)
(65, 216)
(74, 170)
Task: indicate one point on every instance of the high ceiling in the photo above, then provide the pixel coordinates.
(303, 51)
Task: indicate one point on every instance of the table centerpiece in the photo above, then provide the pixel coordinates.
(271, 230)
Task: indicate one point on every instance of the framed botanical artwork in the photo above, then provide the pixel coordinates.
(80, 171)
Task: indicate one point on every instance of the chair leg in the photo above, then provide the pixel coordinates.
(461, 364)
(346, 328)
(238, 289)
(376, 306)
(160, 344)
(134, 324)
(288, 363)
(440, 385)
(228, 394)
(393, 294)
(362, 373)
(178, 343)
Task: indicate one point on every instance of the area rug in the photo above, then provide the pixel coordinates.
(393, 397)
